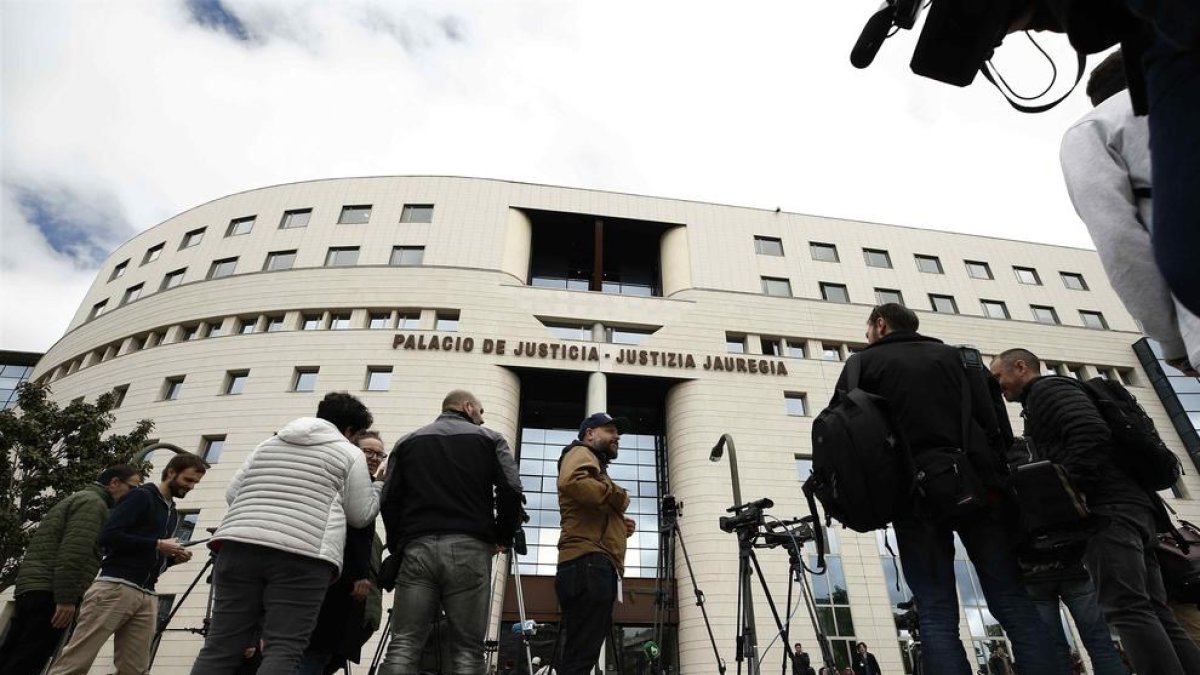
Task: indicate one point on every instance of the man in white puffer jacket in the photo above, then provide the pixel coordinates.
(281, 540)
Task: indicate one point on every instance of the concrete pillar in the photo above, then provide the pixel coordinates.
(518, 244)
(597, 393)
(676, 261)
(597, 332)
(753, 344)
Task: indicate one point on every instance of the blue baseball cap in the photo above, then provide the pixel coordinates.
(602, 419)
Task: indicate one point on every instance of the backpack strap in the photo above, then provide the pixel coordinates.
(818, 534)
(965, 414)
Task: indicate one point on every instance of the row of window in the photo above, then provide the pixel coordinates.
(943, 304)
(929, 264)
(356, 214)
(336, 256)
(304, 379)
(374, 319)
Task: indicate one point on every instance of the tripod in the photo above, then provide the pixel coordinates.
(202, 630)
(799, 575)
(526, 629)
(671, 510)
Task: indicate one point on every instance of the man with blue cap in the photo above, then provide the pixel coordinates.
(591, 546)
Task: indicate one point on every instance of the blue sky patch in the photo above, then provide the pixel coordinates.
(215, 16)
(83, 230)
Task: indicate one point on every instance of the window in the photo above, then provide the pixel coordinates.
(994, 309)
(831, 352)
(768, 246)
(417, 213)
(279, 260)
(246, 325)
(884, 296)
(569, 331)
(943, 304)
(132, 293)
(295, 218)
(1027, 275)
(447, 321)
(339, 321)
(1043, 314)
(777, 286)
(235, 381)
(215, 329)
(172, 388)
(735, 344)
(342, 256)
(119, 270)
(627, 336)
(119, 393)
(877, 258)
(274, 324)
(305, 379)
(407, 255)
(834, 292)
(796, 404)
(978, 270)
(408, 320)
(929, 264)
(211, 447)
(311, 322)
(152, 253)
(1093, 319)
(239, 226)
(823, 252)
(173, 279)
(581, 252)
(379, 378)
(795, 349)
(192, 238)
(97, 309)
(1073, 281)
(771, 346)
(379, 320)
(355, 215)
(222, 268)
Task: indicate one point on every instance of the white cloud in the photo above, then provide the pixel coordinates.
(753, 105)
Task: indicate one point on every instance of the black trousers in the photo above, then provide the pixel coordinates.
(586, 588)
(30, 640)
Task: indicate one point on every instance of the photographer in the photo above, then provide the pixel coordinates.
(925, 384)
(1066, 427)
(281, 541)
(443, 481)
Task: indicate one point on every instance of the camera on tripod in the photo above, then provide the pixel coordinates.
(746, 517)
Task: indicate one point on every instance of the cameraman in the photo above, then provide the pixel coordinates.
(442, 483)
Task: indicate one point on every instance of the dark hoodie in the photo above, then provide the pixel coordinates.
(129, 540)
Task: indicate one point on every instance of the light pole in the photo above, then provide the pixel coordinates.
(749, 631)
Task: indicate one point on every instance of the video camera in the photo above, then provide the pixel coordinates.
(748, 516)
(909, 620)
(959, 36)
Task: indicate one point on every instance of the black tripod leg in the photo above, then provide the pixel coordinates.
(158, 633)
(699, 603)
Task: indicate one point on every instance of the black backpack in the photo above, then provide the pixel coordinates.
(858, 460)
(1137, 448)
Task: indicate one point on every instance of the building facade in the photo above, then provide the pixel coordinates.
(694, 320)
(15, 368)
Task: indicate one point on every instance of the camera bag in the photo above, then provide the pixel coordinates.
(1179, 558)
(1136, 448)
(947, 482)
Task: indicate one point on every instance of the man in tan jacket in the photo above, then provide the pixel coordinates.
(591, 547)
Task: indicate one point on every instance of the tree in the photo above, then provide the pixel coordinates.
(48, 452)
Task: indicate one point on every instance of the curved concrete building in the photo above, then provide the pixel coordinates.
(693, 319)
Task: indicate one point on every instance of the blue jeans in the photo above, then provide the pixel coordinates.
(447, 571)
(1079, 595)
(927, 554)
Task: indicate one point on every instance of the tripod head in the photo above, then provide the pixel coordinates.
(910, 619)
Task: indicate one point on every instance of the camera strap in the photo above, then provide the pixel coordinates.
(1006, 91)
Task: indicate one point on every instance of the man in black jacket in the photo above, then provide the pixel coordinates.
(138, 543)
(442, 482)
(922, 380)
(1066, 428)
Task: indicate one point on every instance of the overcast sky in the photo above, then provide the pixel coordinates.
(119, 114)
